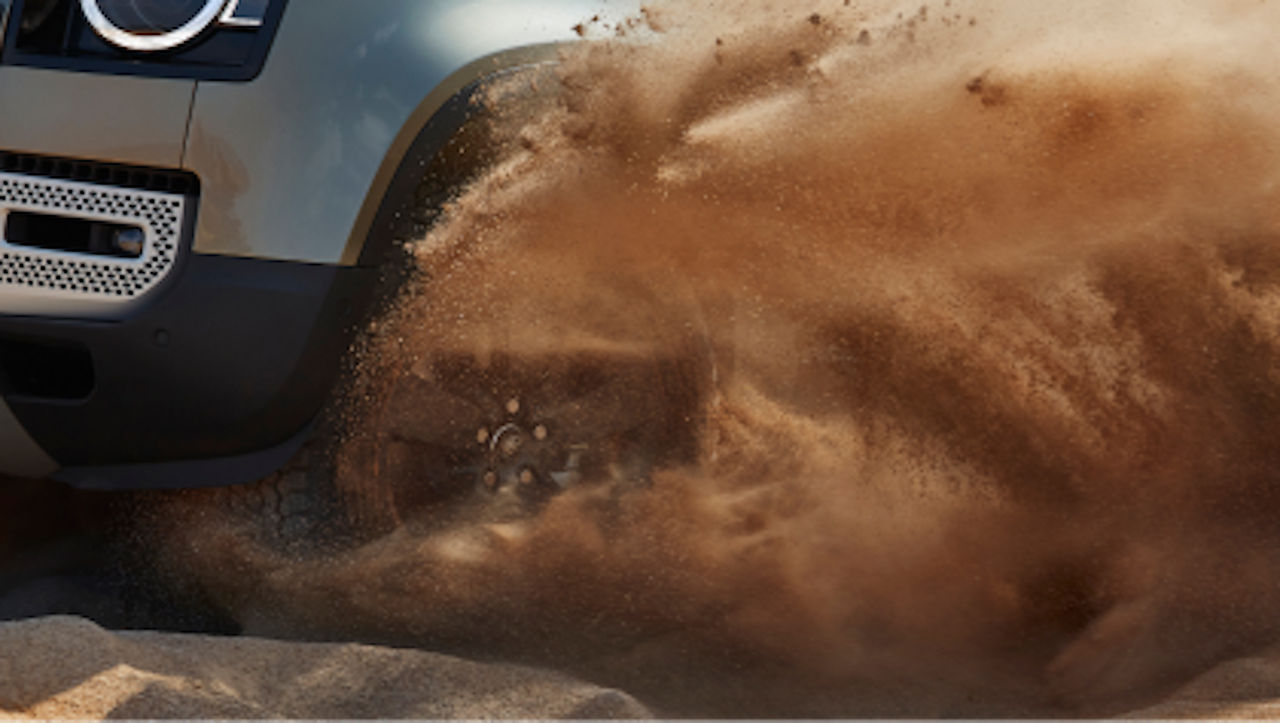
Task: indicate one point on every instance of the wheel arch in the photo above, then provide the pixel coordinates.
(439, 119)
(294, 165)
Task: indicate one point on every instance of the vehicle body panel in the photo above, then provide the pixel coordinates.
(294, 163)
(113, 118)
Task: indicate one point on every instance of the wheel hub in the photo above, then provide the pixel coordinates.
(527, 457)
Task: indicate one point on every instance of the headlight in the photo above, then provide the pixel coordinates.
(151, 25)
(202, 39)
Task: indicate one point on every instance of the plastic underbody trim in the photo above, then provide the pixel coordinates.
(23, 457)
(237, 356)
(187, 474)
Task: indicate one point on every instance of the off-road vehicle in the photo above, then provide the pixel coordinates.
(199, 201)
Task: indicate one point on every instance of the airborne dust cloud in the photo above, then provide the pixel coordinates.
(989, 295)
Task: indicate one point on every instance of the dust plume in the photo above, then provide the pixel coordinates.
(965, 317)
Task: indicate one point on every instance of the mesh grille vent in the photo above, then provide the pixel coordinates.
(55, 283)
(111, 174)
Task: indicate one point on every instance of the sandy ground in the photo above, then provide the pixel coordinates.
(1244, 688)
(65, 667)
(995, 291)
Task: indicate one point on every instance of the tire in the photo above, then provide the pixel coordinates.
(305, 507)
(470, 436)
(500, 434)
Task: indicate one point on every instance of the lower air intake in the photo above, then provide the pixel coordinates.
(56, 268)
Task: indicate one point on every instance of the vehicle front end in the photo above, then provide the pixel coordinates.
(196, 199)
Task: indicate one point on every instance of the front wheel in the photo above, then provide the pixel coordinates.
(504, 432)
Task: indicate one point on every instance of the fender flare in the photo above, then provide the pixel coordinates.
(440, 116)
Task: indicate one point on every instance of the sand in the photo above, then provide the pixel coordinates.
(985, 303)
(64, 667)
(1244, 688)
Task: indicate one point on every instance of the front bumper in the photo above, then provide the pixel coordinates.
(213, 380)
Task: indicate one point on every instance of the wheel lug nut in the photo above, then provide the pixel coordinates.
(513, 406)
(539, 432)
(526, 476)
(482, 436)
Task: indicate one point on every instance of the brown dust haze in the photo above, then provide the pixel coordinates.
(989, 298)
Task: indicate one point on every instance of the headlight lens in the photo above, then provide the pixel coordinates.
(150, 25)
(150, 17)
